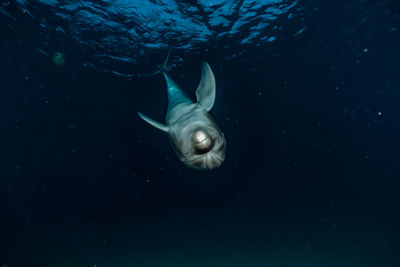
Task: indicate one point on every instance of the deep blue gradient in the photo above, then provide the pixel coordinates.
(308, 96)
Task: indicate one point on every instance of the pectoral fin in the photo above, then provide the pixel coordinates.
(154, 123)
(205, 92)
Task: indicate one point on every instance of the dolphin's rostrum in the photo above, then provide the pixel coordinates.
(194, 135)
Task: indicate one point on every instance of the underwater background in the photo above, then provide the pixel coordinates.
(308, 96)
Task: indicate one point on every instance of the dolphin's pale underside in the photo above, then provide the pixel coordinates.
(195, 136)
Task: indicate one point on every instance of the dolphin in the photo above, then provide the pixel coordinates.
(193, 133)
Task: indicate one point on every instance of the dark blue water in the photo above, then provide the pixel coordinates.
(308, 96)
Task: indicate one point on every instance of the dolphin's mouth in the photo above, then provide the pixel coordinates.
(207, 161)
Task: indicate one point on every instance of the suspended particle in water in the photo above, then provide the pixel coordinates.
(58, 58)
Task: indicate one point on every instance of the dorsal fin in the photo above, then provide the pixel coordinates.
(205, 92)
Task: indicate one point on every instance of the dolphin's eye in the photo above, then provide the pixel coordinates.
(202, 142)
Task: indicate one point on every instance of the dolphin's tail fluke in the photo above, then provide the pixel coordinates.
(161, 68)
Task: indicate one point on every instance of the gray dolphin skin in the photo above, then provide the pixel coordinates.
(195, 136)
